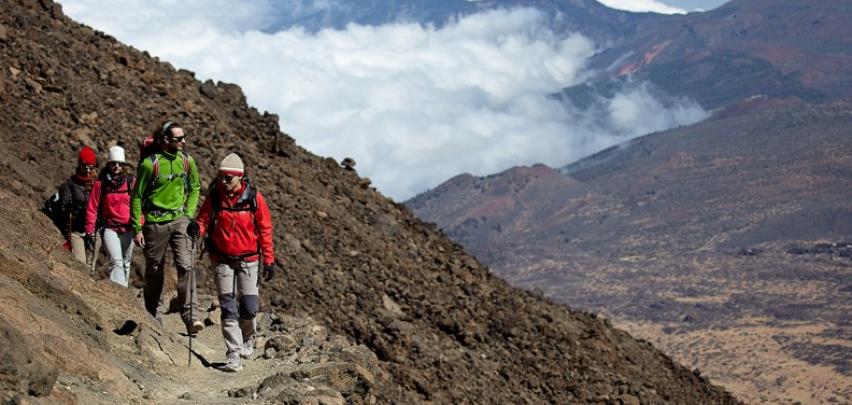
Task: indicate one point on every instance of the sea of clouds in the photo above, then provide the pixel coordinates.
(413, 105)
(643, 6)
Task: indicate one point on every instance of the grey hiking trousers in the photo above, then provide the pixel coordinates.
(159, 237)
(120, 249)
(239, 306)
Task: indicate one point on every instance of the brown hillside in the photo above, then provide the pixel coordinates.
(442, 326)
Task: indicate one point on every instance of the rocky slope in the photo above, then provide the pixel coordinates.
(442, 328)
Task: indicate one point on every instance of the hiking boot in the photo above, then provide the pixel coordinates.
(195, 327)
(247, 352)
(234, 363)
(248, 349)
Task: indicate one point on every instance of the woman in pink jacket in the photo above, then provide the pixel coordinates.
(109, 208)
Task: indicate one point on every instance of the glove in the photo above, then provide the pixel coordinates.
(193, 230)
(268, 271)
(89, 241)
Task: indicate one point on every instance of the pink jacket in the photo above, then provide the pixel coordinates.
(115, 213)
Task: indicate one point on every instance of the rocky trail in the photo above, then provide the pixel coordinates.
(124, 356)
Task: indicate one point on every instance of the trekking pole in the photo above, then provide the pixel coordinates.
(97, 246)
(191, 294)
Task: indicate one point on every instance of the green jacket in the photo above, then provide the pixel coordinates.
(170, 196)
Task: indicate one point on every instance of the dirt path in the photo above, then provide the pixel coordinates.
(295, 360)
(201, 381)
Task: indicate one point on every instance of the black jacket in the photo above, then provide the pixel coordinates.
(74, 198)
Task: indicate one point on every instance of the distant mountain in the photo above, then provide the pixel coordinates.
(744, 48)
(585, 16)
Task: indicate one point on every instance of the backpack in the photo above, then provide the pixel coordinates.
(151, 144)
(247, 201)
(52, 207)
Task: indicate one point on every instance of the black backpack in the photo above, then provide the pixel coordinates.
(52, 207)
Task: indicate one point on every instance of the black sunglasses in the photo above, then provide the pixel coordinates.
(226, 178)
(116, 164)
(178, 139)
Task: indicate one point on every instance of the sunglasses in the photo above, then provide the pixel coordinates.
(89, 168)
(116, 164)
(226, 178)
(178, 139)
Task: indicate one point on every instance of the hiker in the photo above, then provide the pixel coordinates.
(109, 208)
(238, 225)
(166, 194)
(74, 197)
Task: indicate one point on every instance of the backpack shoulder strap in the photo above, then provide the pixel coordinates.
(155, 167)
(186, 186)
(252, 197)
(185, 157)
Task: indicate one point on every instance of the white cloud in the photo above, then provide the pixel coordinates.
(642, 6)
(412, 105)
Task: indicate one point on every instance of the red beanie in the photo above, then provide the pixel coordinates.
(87, 157)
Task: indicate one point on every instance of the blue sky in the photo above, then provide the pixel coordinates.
(413, 105)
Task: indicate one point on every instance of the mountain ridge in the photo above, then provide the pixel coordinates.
(741, 49)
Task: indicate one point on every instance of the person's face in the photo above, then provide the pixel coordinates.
(85, 169)
(231, 183)
(115, 167)
(176, 140)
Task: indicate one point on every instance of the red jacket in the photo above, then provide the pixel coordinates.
(237, 230)
(115, 212)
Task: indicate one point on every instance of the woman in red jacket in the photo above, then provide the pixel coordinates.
(109, 207)
(237, 219)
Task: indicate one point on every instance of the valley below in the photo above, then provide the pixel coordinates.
(775, 332)
(726, 243)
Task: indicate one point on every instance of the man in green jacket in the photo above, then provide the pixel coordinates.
(166, 194)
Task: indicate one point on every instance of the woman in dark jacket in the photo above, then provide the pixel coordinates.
(74, 198)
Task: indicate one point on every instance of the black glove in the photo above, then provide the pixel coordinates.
(89, 241)
(268, 271)
(193, 230)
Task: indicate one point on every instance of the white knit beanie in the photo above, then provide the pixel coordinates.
(116, 154)
(231, 165)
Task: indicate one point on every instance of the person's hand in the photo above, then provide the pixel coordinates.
(139, 239)
(268, 271)
(89, 241)
(193, 230)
